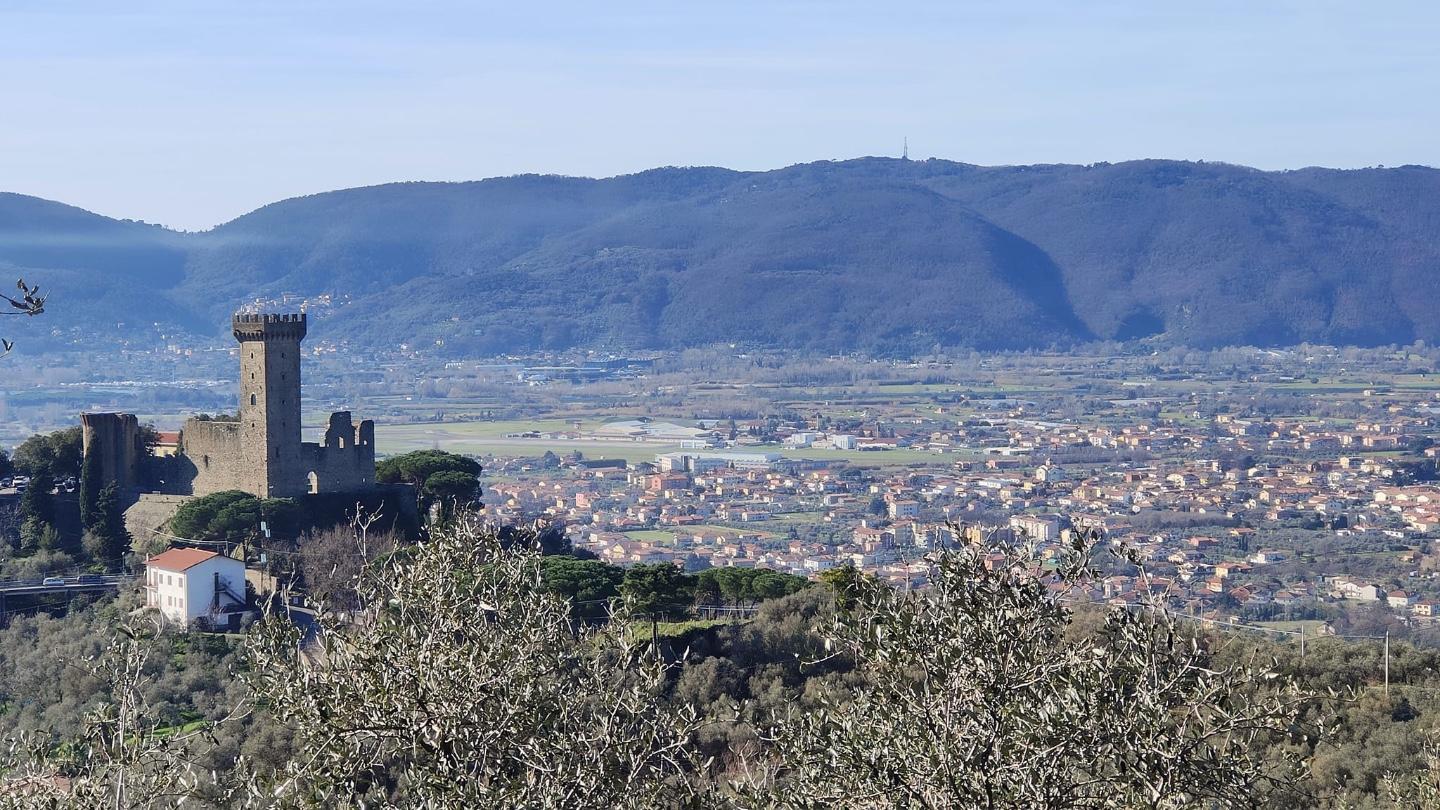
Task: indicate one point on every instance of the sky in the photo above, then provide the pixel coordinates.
(190, 114)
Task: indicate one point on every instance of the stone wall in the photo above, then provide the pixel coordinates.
(148, 520)
(345, 460)
(114, 438)
(260, 451)
(211, 458)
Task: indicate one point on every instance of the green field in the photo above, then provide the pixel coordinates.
(640, 631)
(803, 518)
(1312, 626)
(652, 535)
(489, 438)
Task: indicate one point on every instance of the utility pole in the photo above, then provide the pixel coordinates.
(1302, 642)
(1387, 663)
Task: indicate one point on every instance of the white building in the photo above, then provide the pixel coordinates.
(186, 584)
(1041, 528)
(802, 439)
(903, 509)
(705, 462)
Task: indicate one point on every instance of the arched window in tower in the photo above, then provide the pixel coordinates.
(252, 399)
(314, 483)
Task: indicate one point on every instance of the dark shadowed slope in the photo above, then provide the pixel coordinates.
(893, 268)
(1214, 254)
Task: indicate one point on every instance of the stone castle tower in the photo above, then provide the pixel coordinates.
(270, 457)
(259, 450)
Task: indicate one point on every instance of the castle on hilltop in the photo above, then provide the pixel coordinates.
(260, 450)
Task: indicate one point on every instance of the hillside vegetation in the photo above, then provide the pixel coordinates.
(874, 255)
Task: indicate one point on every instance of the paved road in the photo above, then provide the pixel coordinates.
(72, 584)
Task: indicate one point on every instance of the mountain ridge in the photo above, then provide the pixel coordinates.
(877, 255)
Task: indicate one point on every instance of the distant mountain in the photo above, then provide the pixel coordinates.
(875, 255)
(96, 270)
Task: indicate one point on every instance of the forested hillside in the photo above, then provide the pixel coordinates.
(981, 690)
(874, 255)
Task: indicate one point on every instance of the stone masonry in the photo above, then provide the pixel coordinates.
(261, 451)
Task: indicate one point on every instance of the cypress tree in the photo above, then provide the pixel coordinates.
(106, 539)
(90, 486)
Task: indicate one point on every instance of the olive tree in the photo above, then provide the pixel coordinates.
(977, 695)
(122, 756)
(466, 684)
(1420, 789)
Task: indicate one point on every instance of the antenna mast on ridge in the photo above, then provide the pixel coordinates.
(905, 152)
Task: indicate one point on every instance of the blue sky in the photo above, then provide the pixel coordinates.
(191, 113)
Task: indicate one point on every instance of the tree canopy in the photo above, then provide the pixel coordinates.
(442, 478)
(745, 585)
(974, 694)
(589, 585)
(469, 683)
(661, 589)
(417, 467)
(58, 454)
(472, 689)
(106, 540)
(234, 516)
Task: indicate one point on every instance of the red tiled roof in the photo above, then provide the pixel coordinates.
(180, 559)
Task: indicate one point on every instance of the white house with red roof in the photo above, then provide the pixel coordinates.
(186, 584)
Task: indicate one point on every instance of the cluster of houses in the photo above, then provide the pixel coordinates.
(734, 506)
(1196, 496)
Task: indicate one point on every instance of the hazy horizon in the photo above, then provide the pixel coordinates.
(190, 116)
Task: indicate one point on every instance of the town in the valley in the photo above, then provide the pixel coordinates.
(1293, 489)
(1238, 517)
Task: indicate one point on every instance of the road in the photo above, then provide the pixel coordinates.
(72, 585)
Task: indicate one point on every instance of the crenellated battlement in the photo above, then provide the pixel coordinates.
(269, 326)
(261, 451)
